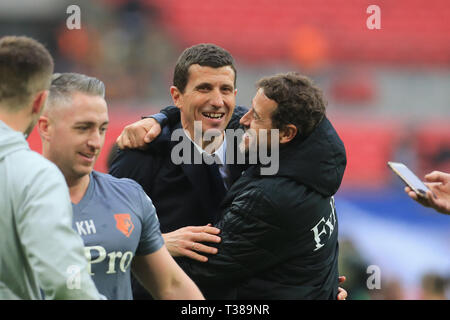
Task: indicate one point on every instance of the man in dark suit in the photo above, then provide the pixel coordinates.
(189, 194)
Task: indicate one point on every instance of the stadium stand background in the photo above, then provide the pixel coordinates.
(388, 94)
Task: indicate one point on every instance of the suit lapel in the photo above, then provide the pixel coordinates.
(205, 180)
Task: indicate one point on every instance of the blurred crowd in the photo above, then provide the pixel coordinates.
(354, 263)
(120, 43)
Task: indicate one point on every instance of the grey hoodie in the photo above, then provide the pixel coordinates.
(38, 247)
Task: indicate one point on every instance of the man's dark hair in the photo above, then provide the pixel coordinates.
(205, 55)
(25, 69)
(299, 101)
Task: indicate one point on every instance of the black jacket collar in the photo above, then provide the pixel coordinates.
(318, 160)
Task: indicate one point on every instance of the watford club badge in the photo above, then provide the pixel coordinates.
(124, 223)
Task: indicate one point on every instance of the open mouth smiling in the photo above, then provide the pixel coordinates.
(213, 115)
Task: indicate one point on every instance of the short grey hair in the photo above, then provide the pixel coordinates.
(64, 84)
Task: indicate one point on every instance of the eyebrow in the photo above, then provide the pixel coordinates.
(253, 109)
(203, 85)
(226, 85)
(209, 85)
(90, 123)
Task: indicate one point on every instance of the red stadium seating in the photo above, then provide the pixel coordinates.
(369, 145)
(412, 31)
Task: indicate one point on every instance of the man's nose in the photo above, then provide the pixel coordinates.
(217, 99)
(95, 140)
(245, 120)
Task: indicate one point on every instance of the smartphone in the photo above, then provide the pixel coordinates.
(409, 178)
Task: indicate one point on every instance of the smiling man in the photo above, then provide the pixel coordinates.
(208, 97)
(187, 195)
(115, 218)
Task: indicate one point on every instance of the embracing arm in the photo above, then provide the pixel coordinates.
(138, 134)
(171, 115)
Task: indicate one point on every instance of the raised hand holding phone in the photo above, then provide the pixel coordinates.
(437, 184)
(409, 178)
(439, 196)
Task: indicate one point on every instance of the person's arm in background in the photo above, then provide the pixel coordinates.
(439, 196)
(54, 250)
(139, 133)
(163, 278)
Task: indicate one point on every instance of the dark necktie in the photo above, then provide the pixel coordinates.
(217, 185)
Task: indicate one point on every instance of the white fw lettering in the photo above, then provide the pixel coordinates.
(321, 227)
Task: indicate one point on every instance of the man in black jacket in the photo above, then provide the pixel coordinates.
(279, 232)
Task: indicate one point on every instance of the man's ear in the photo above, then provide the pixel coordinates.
(288, 133)
(176, 96)
(38, 102)
(44, 128)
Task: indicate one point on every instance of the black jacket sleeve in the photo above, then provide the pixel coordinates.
(173, 115)
(238, 113)
(133, 164)
(247, 244)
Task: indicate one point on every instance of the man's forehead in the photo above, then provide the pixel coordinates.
(81, 107)
(261, 95)
(200, 73)
(82, 98)
(89, 118)
(92, 116)
(260, 101)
